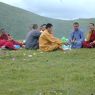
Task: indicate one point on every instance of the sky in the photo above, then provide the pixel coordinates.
(59, 9)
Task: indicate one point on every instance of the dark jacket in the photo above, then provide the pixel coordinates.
(32, 40)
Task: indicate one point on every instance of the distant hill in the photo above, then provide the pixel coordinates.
(16, 21)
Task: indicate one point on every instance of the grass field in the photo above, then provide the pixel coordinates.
(28, 72)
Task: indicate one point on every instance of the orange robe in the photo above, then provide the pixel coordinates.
(47, 42)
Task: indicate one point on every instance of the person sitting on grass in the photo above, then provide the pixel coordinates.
(42, 28)
(6, 41)
(90, 43)
(47, 42)
(32, 38)
(76, 37)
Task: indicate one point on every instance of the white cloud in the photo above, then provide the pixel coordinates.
(11, 1)
(66, 9)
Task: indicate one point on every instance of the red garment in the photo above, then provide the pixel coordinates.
(88, 44)
(10, 44)
(16, 43)
(4, 36)
(4, 41)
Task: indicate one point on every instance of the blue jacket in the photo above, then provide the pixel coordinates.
(79, 37)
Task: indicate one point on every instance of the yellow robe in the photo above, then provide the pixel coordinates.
(47, 42)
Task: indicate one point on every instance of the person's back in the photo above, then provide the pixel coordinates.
(33, 38)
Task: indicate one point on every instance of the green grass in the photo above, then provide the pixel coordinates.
(54, 73)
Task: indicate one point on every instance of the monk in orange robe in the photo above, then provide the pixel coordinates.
(47, 42)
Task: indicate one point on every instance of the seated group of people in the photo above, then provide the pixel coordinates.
(78, 40)
(44, 39)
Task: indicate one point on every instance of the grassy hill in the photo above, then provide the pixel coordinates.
(27, 72)
(16, 21)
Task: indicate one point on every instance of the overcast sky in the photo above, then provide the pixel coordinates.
(60, 9)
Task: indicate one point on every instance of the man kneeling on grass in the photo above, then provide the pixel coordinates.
(47, 42)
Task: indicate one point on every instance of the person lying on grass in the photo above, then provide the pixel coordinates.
(90, 43)
(6, 41)
(47, 41)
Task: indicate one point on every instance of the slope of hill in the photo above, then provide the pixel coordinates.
(16, 21)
